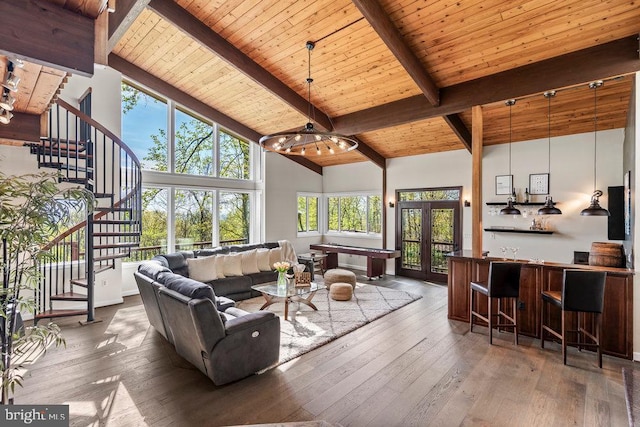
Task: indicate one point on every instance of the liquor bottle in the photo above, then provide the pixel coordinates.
(526, 195)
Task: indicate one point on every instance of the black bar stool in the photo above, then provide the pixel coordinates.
(503, 282)
(582, 292)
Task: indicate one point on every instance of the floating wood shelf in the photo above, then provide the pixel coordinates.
(517, 204)
(518, 230)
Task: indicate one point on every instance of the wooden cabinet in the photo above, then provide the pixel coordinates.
(618, 304)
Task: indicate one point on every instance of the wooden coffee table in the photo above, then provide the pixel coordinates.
(273, 293)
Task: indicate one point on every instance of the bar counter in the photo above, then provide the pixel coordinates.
(617, 319)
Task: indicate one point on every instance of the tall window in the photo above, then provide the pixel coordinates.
(234, 157)
(194, 145)
(307, 214)
(234, 212)
(144, 127)
(179, 212)
(154, 224)
(354, 214)
(193, 219)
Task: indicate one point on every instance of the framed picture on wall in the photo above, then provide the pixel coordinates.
(504, 184)
(539, 183)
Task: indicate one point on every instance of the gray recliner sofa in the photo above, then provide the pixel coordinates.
(225, 346)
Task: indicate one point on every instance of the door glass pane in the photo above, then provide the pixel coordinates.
(411, 239)
(442, 242)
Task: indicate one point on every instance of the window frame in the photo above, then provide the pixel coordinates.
(368, 234)
(320, 210)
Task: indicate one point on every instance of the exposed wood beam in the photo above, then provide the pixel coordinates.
(610, 59)
(386, 29)
(22, 127)
(476, 181)
(160, 86)
(119, 21)
(460, 129)
(204, 35)
(46, 34)
(370, 153)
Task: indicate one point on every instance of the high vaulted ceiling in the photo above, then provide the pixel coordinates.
(400, 75)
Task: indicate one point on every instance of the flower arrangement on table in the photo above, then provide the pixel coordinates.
(281, 266)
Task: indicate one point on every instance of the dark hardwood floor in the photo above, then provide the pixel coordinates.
(412, 367)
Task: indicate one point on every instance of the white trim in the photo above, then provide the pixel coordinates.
(636, 356)
(130, 293)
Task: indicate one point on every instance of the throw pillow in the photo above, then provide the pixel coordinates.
(249, 262)
(233, 265)
(275, 255)
(186, 286)
(263, 260)
(202, 269)
(220, 266)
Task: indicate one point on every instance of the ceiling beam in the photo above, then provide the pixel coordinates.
(158, 85)
(127, 11)
(387, 31)
(204, 35)
(460, 129)
(44, 33)
(614, 58)
(390, 35)
(371, 154)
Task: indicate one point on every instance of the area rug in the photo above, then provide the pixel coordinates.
(307, 329)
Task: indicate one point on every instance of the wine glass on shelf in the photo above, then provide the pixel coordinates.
(503, 249)
(515, 251)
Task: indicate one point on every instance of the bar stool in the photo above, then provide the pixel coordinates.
(582, 292)
(503, 282)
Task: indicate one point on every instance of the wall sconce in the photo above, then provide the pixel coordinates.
(392, 204)
(467, 203)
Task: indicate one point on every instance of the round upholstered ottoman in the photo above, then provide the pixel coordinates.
(341, 291)
(336, 275)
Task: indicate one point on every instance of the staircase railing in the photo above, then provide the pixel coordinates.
(86, 153)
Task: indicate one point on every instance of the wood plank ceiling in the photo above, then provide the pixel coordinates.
(357, 70)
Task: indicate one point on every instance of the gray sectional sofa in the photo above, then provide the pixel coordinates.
(236, 287)
(225, 346)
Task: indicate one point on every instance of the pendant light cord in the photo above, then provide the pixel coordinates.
(595, 136)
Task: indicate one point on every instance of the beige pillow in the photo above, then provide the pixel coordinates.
(233, 265)
(263, 259)
(220, 266)
(275, 255)
(202, 269)
(249, 262)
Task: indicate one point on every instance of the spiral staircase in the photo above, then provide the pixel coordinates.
(87, 154)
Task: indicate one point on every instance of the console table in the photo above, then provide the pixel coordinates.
(375, 257)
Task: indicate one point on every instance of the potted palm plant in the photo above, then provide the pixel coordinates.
(33, 210)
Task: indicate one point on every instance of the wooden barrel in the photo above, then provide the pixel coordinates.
(606, 254)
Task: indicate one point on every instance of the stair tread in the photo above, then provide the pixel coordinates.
(60, 313)
(79, 282)
(103, 195)
(103, 268)
(69, 296)
(117, 245)
(117, 234)
(112, 209)
(115, 221)
(111, 256)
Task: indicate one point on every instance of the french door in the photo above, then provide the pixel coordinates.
(425, 232)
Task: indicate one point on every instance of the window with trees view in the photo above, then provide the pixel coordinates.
(205, 212)
(308, 213)
(355, 214)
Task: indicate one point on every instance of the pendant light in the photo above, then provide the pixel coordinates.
(549, 208)
(594, 208)
(510, 209)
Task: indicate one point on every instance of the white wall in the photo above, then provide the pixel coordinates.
(362, 177)
(571, 185)
(283, 180)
